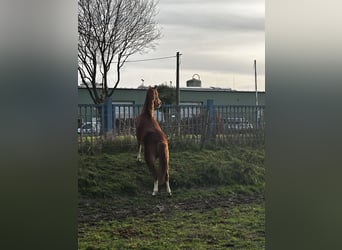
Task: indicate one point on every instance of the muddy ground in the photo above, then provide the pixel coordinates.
(92, 211)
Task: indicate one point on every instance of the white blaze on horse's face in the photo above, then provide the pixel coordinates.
(158, 104)
(157, 101)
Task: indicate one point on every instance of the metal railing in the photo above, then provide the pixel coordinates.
(225, 124)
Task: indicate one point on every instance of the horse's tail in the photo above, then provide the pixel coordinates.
(163, 162)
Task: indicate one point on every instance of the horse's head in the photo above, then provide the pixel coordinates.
(156, 101)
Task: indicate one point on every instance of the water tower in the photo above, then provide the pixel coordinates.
(194, 82)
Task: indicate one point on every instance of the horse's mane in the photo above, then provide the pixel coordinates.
(149, 104)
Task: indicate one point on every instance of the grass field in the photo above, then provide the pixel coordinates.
(217, 201)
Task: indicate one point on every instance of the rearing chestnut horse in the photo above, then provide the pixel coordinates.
(154, 140)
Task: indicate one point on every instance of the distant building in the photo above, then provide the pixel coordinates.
(188, 95)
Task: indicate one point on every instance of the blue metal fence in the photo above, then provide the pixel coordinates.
(208, 123)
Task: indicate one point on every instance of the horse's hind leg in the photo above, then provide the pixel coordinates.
(168, 189)
(139, 152)
(150, 162)
(164, 165)
(155, 187)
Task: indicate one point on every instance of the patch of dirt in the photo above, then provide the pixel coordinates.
(128, 232)
(92, 211)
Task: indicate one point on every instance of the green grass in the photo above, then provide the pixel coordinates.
(214, 204)
(108, 175)
(218, 228)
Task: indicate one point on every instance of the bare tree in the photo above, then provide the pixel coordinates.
(109, 32)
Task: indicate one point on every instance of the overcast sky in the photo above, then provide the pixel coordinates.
(218, 40)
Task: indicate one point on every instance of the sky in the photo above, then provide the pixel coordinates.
(218, 40)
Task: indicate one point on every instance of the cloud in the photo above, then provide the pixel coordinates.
(212, 21)
(212, 2)
(221, 15)
(219, 39)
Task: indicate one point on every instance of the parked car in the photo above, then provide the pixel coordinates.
(237, 123)
(88, 128)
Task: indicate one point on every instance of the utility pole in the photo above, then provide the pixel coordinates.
(177, 79)
(177, 94)
(256, 84)
(256, 96)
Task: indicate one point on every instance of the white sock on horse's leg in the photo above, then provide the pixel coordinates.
(139, 153)
(168, 189)
(155, 188)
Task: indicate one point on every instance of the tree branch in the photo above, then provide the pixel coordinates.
(110, 29)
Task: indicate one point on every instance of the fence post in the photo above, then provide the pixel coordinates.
(108, 116)
(211, 119)
(256, 118)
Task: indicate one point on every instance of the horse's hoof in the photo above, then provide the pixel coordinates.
(154, 193)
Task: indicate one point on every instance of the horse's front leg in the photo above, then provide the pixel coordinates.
(139, 152)
(155, 187)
